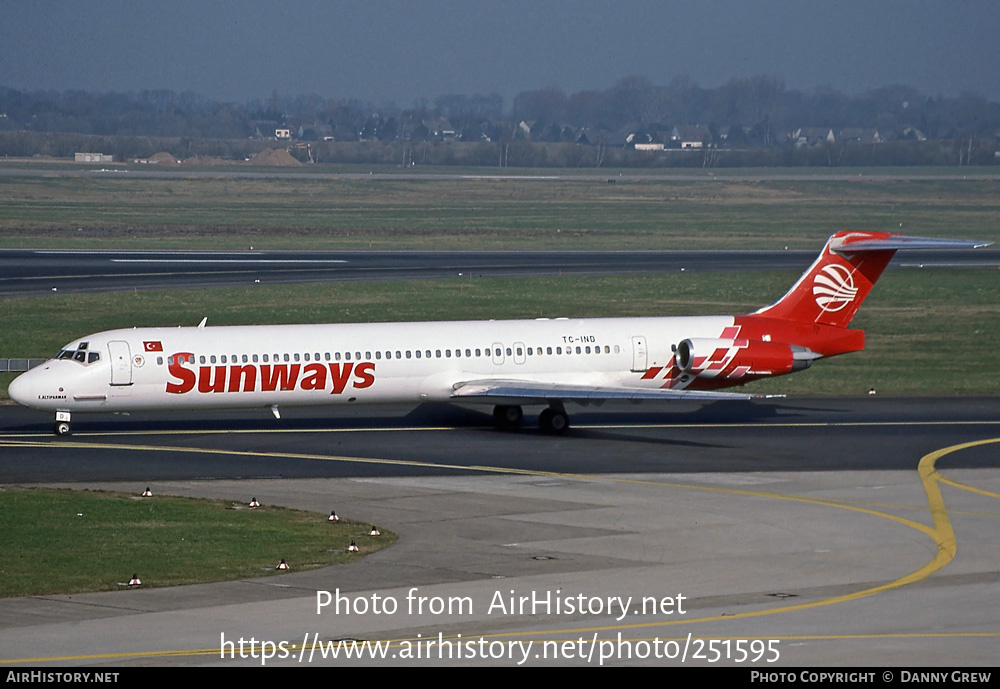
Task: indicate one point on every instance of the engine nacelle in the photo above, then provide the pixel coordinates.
(734, 359)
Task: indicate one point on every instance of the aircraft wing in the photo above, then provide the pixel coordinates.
(531, 392)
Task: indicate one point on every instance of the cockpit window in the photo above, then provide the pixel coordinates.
(80, 354)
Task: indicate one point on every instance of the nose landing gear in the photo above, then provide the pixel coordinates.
(62, 426)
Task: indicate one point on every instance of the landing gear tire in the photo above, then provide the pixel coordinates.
(554, 421)
(507, 415)
(62, 428)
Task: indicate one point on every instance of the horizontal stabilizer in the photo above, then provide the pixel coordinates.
(852, 243)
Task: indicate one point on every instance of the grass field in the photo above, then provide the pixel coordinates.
(60, 541)
(658, 211)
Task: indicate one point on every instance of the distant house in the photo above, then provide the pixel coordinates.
(690, 136)
(267, 129)
(812, 136)
(860, 136)
(440, 128)
(93, 158)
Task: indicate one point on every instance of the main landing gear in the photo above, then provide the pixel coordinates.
(553, 419)
(62, 423)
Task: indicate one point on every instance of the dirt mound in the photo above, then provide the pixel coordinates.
(162, 158)
(274, 157)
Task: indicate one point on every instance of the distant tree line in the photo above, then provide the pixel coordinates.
(746, 121)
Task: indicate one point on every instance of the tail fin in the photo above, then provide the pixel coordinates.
(836, 284)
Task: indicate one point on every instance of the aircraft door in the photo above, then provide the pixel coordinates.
(639, 353)
(519, 349)
(121, 362)
(497, 351)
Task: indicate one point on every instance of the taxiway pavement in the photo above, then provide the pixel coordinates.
(826, 529)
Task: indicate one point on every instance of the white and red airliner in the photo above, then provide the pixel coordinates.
(507, 364)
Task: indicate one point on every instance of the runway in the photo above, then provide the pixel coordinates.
(35, 272)
(847, 531)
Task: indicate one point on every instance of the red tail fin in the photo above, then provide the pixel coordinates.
(836, 284)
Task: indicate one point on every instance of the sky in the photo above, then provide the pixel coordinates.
(397, 51)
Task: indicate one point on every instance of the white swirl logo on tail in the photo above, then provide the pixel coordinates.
(834, 288)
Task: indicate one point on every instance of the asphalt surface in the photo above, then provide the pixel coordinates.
(822, 531)
(33, 272)
(797, 434)
(118, 171)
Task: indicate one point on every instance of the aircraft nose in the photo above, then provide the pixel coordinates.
(21, 389)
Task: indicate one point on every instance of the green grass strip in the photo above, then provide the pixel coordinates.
(61, 541)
